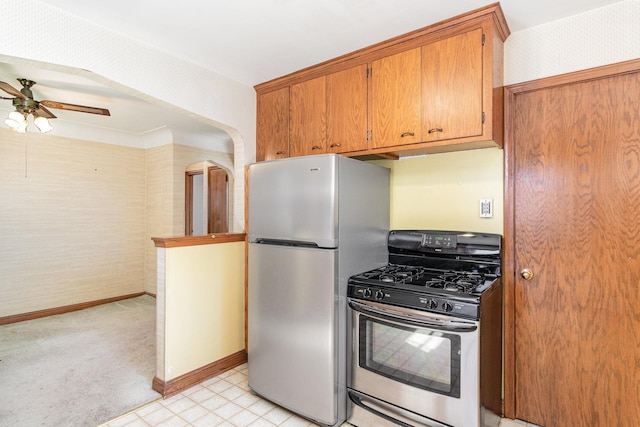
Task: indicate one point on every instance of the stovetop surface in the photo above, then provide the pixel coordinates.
(441, 271)
(450, 292)
(427, 280)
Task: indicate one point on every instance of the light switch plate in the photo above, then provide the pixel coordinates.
(486, 208)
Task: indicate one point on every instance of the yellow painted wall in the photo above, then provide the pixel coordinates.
(443, 191)
(204, 306)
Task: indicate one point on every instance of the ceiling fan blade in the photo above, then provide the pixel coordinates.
(11, 90)
(74, 107)
(43, 112)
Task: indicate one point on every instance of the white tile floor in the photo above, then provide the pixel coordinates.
(516, 423)
(224, 401)
(221, 401)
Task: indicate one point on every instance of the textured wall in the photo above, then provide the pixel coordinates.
(72, 221)
(77, 217)
(165, 189)
(159, 207)
(599, 37)
(56, 37)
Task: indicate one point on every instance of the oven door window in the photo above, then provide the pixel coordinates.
(423, 358)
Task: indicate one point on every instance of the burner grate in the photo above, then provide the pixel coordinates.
(423, 277)
(391, 274)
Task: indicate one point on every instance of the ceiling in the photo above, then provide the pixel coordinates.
(132, 118)
(250, 41)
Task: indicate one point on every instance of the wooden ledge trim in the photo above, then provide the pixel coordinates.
(209, 239)
(183, 382)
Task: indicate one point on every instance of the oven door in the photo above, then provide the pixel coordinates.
(423, 363)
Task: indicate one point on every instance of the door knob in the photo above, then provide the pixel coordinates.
(526, 274)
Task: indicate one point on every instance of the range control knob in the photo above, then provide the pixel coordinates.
(379, 295)
(432, 304)
(446, 306)
(367, 293)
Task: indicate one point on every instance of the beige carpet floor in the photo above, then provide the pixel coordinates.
(78, 369)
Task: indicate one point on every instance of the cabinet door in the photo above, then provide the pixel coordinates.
(272, 126)
(452, 87)
(307, 122)
(395, 99)
(347, 110)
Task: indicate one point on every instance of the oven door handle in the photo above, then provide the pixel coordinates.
(412, 320)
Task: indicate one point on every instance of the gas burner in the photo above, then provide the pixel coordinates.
(393, 274)
(387, 278)
(459, 287)
(456, 281)
(437, 283)
(407, 275)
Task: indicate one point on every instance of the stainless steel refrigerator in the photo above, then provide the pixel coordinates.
(314, 221)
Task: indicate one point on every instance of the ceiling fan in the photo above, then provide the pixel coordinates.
(25, 104)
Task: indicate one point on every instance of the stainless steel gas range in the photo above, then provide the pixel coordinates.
(426, 333)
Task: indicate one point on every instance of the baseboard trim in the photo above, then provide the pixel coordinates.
(64, 309)
(176, 385)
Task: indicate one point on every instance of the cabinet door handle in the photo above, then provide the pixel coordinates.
(436, 130)
(335, 145)
(278, 153)
(316, 147)
(407, 134)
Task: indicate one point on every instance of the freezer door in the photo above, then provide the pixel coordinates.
(292, 344)
(295, 200)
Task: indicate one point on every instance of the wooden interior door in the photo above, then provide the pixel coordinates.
(218, 201)
(576, 189)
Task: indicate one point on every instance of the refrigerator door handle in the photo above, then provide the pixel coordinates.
(278, 242)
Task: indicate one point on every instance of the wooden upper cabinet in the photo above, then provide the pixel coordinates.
(452, 80)
(347, 110)
(395, 99)
(272, 125)
(308, 117)
(435, 89)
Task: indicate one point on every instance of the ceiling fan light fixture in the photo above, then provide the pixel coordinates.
(43, 125)
(16, 122)
(25, 106)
